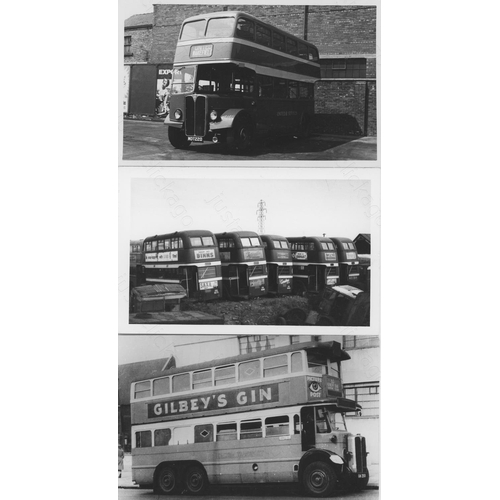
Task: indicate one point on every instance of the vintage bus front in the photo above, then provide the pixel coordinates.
(204, 254)
(279, 264)
(348, 259)
(213, 94)
(315, 264)
(234, 77)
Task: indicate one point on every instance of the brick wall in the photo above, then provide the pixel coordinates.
(142, 41)
(345, 107)
(333, 29)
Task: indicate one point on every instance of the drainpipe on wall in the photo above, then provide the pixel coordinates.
(306, 15)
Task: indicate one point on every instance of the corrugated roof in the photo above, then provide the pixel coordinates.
(139, 20)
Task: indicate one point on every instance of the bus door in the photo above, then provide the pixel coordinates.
(308, 428)
(188, 279)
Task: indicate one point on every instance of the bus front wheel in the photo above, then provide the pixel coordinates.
(319, 479)
(196, 480)
(240, 137)
(178, 138)
(167, 480)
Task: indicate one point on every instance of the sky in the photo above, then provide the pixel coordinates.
(301, 207)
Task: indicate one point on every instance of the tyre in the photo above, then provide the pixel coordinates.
(295, 316)
(167, 481)
(325, 321)
(178, 138)
(240, 137)
(196, 480)
(319, 479)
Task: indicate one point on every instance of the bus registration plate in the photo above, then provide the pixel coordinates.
(207, 285)
(195, 138)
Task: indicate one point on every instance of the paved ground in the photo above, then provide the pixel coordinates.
(147, 141)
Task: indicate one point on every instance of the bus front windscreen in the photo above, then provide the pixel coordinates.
(225, 78)
(183, 80)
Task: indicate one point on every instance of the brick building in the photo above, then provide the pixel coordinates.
(345, 97)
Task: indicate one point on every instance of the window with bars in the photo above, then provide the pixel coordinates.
(128, 46)
(255, 343)
(367, 395)
(343, 68)
(360, 341)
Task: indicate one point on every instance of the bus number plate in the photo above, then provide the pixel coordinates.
(195, 138)
(207, 285)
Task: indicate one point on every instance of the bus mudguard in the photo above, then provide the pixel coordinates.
(172, 124)
(316, 454)
(227, 119)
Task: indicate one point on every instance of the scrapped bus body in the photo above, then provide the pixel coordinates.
(188, 258)
(315, 263)
(272, 416)
(348, 260)
(235, 77)
(279, 264)
(244, 268)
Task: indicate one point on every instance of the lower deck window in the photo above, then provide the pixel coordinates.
(277, 426)
(250, 429)
(226, 432)
(143, 439)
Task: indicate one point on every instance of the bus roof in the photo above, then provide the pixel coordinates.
(180, 234)
(332, 348)
(236, 13)
(296, 239)
(340, 238)
(238, 234)
(268, 237)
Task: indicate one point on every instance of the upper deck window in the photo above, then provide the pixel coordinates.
(225, 243)
(142, 390)
(291, 46)
(245, 29)
(180, 382)
(263, 35)
(249, 370)
(327, 246)
(313, 54)
(202, 379)
(302, 50)
(250, 242)
(161, 386)
(280, 244)
(220, 27)
(193, 30)
(225, 375)
(278, 41)
(275, 365)
(202, 241)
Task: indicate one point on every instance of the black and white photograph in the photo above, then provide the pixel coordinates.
(248, 416)
(215, 82)
(240, 251)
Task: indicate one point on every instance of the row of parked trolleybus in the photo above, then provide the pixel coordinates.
(244, 264)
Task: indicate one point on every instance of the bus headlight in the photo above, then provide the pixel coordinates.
(214, 115)
(178, 114)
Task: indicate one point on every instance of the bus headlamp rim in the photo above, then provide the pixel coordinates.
(214, 115)
(178, 114)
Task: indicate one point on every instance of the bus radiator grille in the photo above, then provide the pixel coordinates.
(360, 444)
(195, 115)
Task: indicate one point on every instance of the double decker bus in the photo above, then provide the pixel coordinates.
(135, 262)
(188, 258)
(348, 260)
(272, 416)
(279, 263)
(244, 267)
(315, 263)
(235, 77)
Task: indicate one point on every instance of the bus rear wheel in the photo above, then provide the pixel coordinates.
(240, 137)
(319, 479)
(167, 481)
(196, 480)
(178, 138)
